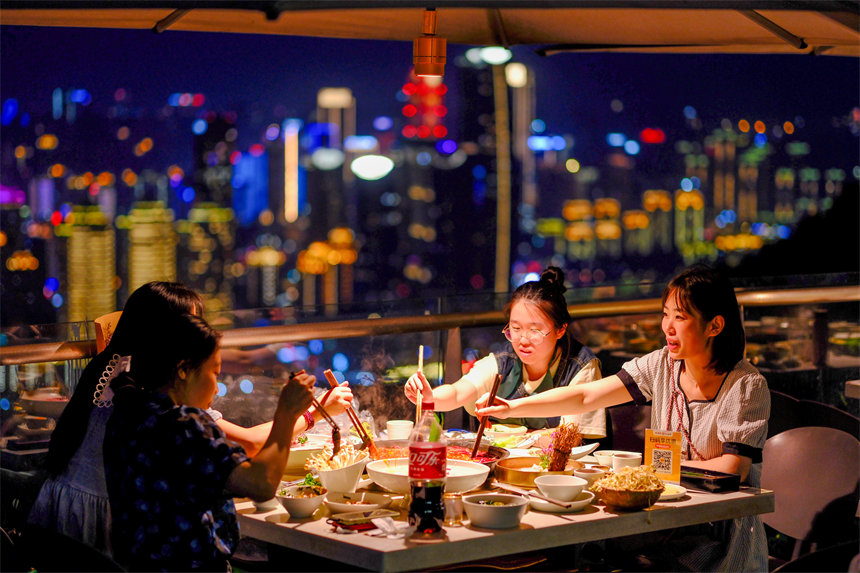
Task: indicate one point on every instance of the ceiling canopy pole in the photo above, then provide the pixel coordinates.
(771, 27)
(497, 26)
(169, 20)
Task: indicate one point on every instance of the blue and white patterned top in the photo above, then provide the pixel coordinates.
(167, 468)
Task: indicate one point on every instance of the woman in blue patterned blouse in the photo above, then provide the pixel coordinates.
(171, 472)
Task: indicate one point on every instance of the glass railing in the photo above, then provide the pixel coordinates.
(804, 340)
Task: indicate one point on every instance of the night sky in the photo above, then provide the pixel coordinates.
(271, 77)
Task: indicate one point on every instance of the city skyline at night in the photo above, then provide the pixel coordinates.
(625, 125)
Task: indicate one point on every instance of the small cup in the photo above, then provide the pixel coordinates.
(626, 459)
(590, 475)
(560, 487)
(399, 429)
(453, 503)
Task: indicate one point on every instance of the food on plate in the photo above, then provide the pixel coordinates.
(322, 461)
(507, 429)
(639, 478)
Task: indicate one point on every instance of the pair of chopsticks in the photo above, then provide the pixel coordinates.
(420, 396)
(483, 421)
(353, 417)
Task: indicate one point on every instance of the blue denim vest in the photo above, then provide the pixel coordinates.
(512, 387)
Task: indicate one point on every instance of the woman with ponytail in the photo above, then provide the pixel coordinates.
(541, 354)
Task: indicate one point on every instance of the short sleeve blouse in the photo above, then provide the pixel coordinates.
(735, 421)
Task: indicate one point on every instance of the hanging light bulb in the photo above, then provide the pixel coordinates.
(429, 50)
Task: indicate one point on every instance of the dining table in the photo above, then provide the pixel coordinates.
(537, 530)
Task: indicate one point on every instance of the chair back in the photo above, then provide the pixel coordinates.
(785, 413)
(821, 414)
(814, 473)
(105, 325)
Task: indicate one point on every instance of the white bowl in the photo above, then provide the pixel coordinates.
(560, 487)
(604, 457)
(590, 475)
(349, 502)
(267, 505)
(495, 516)
(626, 459)
(393, 475)
(344, 479)
(299, 506)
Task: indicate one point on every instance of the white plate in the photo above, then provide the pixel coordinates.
(672, 491)
(338, 502)
(579, 503)
(575, 453)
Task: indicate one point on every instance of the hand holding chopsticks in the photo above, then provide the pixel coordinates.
(353, 417)
(483, 421)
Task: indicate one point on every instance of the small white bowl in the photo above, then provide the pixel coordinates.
(560, 487)
(345, 479)
(626, 459)
(604, 457)
(267, 505)
(495, 516)
(349, 502)
(590, 475)
(299, 506)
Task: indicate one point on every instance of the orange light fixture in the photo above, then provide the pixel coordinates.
(429, 50)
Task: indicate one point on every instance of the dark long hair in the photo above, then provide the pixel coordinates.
(705, 291)
(187, 343)
(143, 318)
(548, 295)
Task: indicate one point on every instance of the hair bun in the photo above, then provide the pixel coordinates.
(554, 277)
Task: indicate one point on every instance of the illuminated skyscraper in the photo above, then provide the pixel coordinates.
(152, 244)
(205, 255)
(91, 271)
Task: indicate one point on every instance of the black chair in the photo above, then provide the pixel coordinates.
(835, 558)
(785, 413)
(627, 426)
(43, 549)
(820, 414)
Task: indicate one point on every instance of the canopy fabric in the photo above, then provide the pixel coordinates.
(829, 27)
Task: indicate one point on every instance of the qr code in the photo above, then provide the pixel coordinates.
(662, 461)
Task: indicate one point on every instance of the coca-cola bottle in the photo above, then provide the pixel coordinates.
(427, 471)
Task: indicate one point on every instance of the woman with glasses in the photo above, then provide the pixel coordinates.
(701, 386)
(541, 354)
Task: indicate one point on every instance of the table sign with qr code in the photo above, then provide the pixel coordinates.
(663, 453)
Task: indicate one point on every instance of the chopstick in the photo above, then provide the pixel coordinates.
(353, 417)
(420, 396)
(322, 411)
(482, 421)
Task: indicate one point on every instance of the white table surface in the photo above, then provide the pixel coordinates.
(537, 530)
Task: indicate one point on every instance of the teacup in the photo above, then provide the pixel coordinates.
(626, 459)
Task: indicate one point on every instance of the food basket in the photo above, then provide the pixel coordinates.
(628, 499)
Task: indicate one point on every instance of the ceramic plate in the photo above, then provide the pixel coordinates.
(579, 503)
(358, 501)
(575, 453)
(672, 491)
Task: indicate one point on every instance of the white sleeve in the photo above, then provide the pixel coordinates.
(591, 424)
(481, 376)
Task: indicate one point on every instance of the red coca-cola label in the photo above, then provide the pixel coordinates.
(427, 460)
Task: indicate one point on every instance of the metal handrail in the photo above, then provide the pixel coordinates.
(58, 351)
